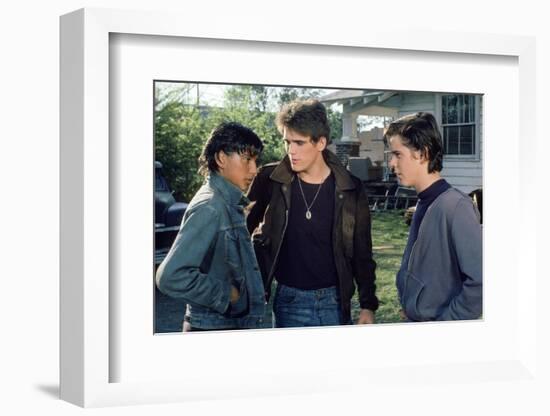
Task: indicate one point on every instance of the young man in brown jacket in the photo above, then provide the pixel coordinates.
(311, 227)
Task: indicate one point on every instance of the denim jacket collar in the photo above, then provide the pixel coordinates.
(230, 193)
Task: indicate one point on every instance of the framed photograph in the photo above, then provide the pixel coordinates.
(187, 112)
(110, 351)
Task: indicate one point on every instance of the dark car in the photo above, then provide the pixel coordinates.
(168, 215)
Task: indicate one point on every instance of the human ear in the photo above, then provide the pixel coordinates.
(424, 155)
(221, 159)
(321, 143)
(416, 154)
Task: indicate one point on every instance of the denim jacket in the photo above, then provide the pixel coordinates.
(212, 252)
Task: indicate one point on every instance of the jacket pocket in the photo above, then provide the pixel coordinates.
(413, 289)
(232, 253)
(241, 307)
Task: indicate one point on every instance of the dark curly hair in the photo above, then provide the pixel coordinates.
(419, 132)
(228, 137)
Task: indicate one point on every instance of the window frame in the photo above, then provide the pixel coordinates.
(476, 156)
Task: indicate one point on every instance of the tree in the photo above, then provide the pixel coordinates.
(247, 105)
(179, 136)
(288, 94)
(182, 128)
(335, 122)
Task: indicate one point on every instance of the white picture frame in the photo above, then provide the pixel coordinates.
(87, 355)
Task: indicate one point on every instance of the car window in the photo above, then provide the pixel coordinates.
(160, 183)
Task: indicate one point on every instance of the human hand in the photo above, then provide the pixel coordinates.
(366, 316)
(235, 295)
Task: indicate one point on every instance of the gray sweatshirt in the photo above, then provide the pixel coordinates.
(443, 277)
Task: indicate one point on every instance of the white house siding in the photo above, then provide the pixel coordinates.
(467, 174)
(414, 102)
(464, 174)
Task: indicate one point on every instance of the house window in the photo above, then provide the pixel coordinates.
(459, 124)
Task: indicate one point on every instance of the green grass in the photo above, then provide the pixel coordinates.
(389, 237)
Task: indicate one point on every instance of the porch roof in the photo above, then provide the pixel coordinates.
(352, 97)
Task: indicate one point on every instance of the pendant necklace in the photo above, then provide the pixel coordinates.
(308, 208)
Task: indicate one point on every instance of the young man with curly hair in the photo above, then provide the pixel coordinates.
(211, 264)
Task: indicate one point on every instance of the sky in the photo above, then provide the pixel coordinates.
(208, 94)
(212, 95)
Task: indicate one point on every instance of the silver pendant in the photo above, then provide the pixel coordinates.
(308, 214)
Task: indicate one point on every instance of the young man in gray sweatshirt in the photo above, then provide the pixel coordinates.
(441, 272)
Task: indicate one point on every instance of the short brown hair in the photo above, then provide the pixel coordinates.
(307, 117)
(419, 132)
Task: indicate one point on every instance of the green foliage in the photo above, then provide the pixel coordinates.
(335, 122)
(247, 104)
(288, 94)
(179, 136)
(182, 129)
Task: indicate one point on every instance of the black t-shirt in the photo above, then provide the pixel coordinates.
(306, 259)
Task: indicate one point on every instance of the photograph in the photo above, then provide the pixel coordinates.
(300, 206)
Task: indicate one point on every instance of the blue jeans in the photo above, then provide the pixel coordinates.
(298, 308)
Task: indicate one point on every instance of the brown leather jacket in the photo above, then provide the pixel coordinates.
(352, 243)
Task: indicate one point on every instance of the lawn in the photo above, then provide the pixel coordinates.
(389, 237)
